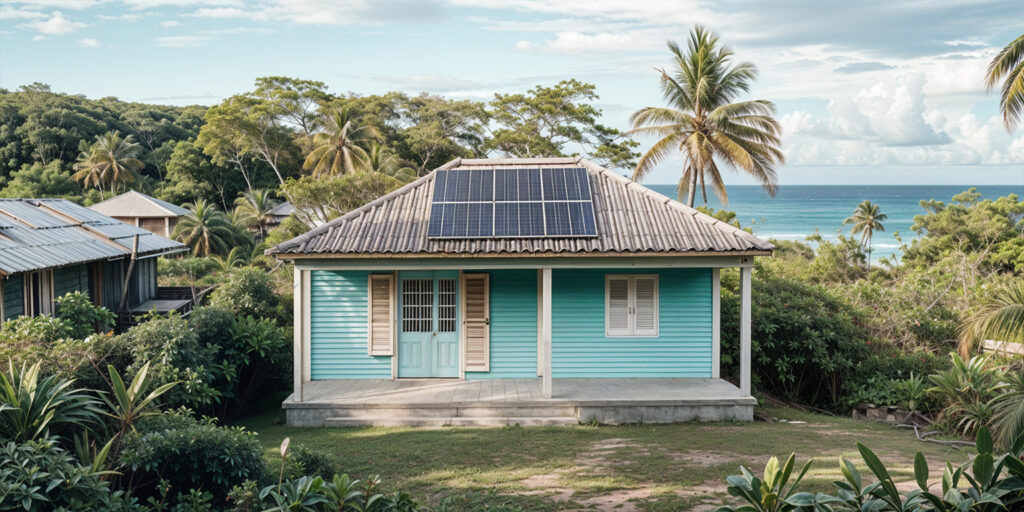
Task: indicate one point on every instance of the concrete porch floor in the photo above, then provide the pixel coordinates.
(438, 402)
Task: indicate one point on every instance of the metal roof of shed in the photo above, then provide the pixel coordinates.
(631, 219)
(137, 204)
(37, 234)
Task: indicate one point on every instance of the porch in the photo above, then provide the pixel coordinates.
(441, 402)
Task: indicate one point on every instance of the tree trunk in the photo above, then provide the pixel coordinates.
(691, 192)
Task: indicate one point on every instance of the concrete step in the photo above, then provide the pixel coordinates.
(355, 412)
(455, 421)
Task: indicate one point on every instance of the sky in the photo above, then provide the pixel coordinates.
(867, 92)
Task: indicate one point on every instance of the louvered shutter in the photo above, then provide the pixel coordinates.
(617, 306)
(645, 306)
(476, 323)
(381, 315)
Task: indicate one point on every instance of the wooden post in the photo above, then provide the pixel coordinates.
(546, 329)
(297, 297)
(745, 330)
(716, 323)
(128, 274)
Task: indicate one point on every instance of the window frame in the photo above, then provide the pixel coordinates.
(631, 306)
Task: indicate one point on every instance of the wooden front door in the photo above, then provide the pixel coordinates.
(428, 342)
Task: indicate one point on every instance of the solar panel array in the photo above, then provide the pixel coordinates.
(512, 203)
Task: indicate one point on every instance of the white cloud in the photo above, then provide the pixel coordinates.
(570, 43)
(8, 12)
(57, 25)
(39, 38)
(183, 41)
(170, 23)
(57, 4)
(88, 42)
(329, 12)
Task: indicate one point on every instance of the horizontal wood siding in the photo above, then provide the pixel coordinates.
(513, 326)
(581, 350)
(338, 333)
(14, 301)
(70, 279)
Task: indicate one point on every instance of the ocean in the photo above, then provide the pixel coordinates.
(798, 210)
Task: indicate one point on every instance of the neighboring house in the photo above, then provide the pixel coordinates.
(279, 213)
(529, 291)
(49, 247)
(146, 212)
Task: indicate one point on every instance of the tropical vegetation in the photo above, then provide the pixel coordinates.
(705, 122)
(1008, 66)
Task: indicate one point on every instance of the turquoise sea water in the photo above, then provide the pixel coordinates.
(798, 210)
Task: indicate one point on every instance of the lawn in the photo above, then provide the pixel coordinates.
(639, 467)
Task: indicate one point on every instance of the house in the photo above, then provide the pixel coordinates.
(49, 247)
(279, 213)
(140, 210)
(517, 291)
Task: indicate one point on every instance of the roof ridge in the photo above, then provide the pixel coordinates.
(679, 205)
(301, 239)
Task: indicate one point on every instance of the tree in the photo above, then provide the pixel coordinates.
(337, 151)
(253, 209)
(1000, 318)
(38, 180)
(379, 159)
(297, 100)
(109, 162)
(1008, 66)
(436, 130)
(705, 123)
(866, 219)
(553, 121)
(193, 175)
(243, 125)
(320, 200)
(206, 230)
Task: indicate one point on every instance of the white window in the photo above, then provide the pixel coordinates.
(39, 293)
(631, 305)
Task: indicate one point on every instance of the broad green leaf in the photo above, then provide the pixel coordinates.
(921, 471)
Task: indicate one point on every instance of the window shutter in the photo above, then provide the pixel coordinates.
(381, 319)
(617, 306)
(476, 323)
(645, 306)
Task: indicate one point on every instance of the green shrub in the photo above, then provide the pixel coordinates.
(806, 343)
(211, 324)
(306, 461)
(82, 316)
(34, 406)
(247, 292)
(986, 482)
(38, 330)
(41, 476)
(255, 354)
(198, 455)
(176, 355)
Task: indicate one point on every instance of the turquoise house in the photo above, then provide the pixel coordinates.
(530, 291)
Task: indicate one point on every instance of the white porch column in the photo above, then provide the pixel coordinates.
(546, 329)
(745, 330)
(716, 323)
(298, 296)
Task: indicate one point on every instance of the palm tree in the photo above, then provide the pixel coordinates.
(705, 123)
(866, 219)
(253, 209)
(1008, 66)
(1001, 317)
(206, 230)
(337, 151)
(109, 162)
(378, 159)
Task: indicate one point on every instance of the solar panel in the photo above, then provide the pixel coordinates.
(512, 203)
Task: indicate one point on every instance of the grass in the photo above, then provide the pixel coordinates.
(636, 467)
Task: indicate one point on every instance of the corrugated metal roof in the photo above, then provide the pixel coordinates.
(630, 219)
(37, 234)
(137, 204)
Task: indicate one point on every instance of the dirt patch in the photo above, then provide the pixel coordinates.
(622, 500)
(547, 485)
(703, 459)
(597, 459)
